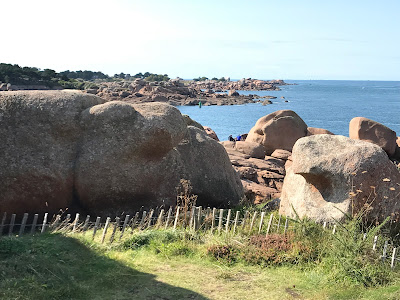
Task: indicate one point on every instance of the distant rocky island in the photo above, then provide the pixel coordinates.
(185, 92)
(140, 88)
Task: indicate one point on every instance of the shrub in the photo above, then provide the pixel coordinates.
(227, 253)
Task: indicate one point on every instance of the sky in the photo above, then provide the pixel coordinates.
(280, 39)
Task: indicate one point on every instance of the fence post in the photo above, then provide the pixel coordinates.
(86, 224)
(23, 223)
(195, 220)
(236, 221)
(55, 224)
(228, 218)
(10, 230)
(221, 215)
(286, 225)
(116, 225)
(150, 218)
(324, 226)
(105, 229)
(246, 215)
(269, 224)
(75, 222)
(142, 220)
(124, 226)
(252, 221)
(364, 236)
(214, 212)
(191, 217)
(375, 242)
(199, 216)
(176, 217)
(3, 221)
(334, 229)
(134, 221)
(207, 218)
(393, 258)
(160, 218)
(34, 223)
(96, 225)
(279, 224)
(66, 221)
(261, 222)
(385, 250)
(44, 223)
(168, 217)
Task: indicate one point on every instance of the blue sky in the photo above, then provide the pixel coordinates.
(349, 40)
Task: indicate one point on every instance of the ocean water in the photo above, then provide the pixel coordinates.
(329, 104)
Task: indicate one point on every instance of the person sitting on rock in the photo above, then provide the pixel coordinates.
(231, 139)
(239, 137)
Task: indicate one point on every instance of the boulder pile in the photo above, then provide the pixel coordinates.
(66, 149)
(176, 92)
(318, 174)
(247, 84)
(262, 158)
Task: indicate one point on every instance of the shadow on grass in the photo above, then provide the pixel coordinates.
(54, 266)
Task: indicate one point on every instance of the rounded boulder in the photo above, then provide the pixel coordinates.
(371, 131)
(278, 130)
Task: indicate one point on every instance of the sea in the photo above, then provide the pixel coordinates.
(328, 104)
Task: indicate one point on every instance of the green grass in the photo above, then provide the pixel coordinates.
(163, 265)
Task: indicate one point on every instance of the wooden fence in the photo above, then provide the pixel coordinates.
(215, 221)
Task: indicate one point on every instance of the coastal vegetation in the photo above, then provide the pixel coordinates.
(204, 78)
(16, 75)
(308, 263)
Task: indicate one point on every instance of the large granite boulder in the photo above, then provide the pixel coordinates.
(368, 130)
(252, 149)
(334, 175)
(71, 149)
(134, 156)
(278, 130)
(39, 133)
(206, 164)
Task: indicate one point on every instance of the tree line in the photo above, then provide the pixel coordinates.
(14, 74)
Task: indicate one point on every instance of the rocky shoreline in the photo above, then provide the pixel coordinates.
(65, 149)
(177, 92)
(312, 172)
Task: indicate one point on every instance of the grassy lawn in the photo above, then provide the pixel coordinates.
(62, 266)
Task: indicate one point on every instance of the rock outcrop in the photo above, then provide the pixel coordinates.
(39, 135)
(246, 84)
(211, 133)
(278, 130)
(70, 148)
(368, 130)
(334, 175)
(262, 177)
